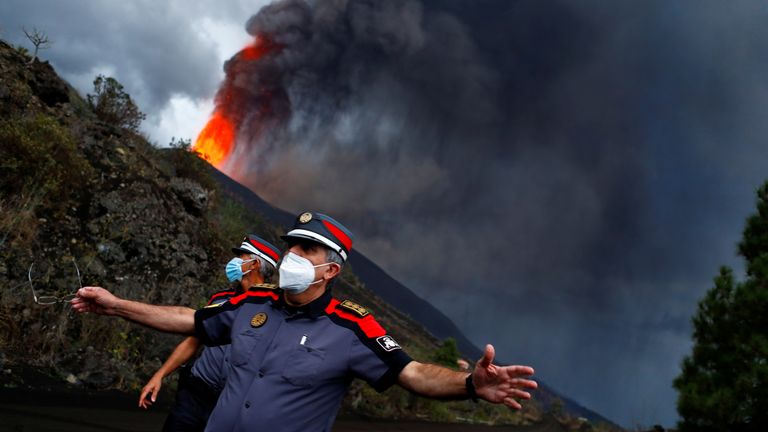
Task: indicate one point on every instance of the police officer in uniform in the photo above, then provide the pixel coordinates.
(294, 351)
(199, 387)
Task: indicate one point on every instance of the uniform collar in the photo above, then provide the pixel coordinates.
(313, 309)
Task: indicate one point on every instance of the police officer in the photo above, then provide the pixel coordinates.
(294, 351)
(199, 387)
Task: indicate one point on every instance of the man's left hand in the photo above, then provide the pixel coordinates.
(502, 384)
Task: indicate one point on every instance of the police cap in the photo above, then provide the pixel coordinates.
(256, 245)
(321, 229)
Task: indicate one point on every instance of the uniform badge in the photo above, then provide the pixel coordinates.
(305, 217)
(388, 343)
(258, 320)
(354, 307)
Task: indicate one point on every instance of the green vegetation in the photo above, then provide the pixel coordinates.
(23, 51)
(724, 382)
(447, 354)
(113, 105)
(42, 169)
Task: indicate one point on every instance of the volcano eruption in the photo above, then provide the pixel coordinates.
(239, 106)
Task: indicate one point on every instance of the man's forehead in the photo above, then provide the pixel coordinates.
(305, 244)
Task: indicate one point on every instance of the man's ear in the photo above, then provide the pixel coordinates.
(257, 265)
(333, 270)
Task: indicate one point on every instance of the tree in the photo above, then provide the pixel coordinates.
(447, 354)
(723, 385)
(39, 40)
(113, 105)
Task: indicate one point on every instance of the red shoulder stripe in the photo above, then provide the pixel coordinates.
(254, 293)
(367, 324)
(219, 294)
(331, 306)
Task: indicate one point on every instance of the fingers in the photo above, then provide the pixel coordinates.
(488, 356)
(148, 396)
(88, 292)
(142, 397)
(79, 305)
(145, 403)
(82, 305)
(512, 403)
(87, 299)
(520, 370)
(526, 383)
(519, 394)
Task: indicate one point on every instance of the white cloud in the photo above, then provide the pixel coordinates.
(181, 117)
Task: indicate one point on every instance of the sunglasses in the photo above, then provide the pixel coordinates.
(42, 277)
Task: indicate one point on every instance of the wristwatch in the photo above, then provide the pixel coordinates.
(471, 392)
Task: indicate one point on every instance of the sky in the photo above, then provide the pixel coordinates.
(562, 178)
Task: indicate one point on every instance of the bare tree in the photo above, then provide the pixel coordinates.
(38, 39)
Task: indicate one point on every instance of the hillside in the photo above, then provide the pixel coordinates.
(150, 224)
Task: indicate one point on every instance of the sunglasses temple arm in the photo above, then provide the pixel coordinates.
(79, 281)
(29, 276)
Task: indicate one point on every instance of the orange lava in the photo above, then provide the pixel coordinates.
(215, 142)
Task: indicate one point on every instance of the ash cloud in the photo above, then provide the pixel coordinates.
(552, 174)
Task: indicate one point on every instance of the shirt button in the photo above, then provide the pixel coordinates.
(261, 374)
(247, 404)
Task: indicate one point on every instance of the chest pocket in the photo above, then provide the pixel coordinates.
(304, 366)
(242, 347)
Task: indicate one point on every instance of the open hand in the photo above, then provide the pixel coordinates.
(502, 384)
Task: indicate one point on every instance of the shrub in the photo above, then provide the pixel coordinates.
(41, 168)
(113, 105)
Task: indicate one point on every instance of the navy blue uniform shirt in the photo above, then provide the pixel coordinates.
(291, 367)
(212, 365)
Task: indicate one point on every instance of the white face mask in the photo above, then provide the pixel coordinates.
(297, 273)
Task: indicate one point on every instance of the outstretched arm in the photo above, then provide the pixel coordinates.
(496, 384)
(170, 319)
(183, 352)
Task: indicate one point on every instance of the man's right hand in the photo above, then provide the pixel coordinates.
(150, 391)
(95, 300)
(171, 319)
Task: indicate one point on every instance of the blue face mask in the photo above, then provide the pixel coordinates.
(234, 269)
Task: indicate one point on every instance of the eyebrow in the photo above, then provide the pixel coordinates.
(304, 244)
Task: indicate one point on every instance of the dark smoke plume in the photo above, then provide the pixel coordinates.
(538, 169)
